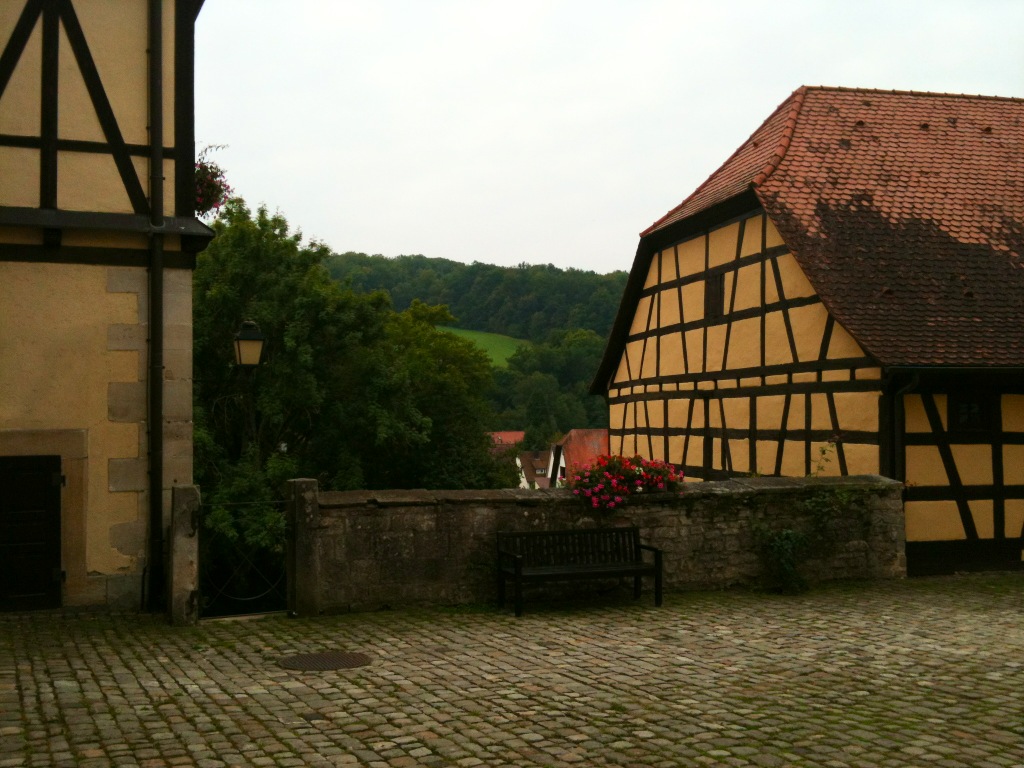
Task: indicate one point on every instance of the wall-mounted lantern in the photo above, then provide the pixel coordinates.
(249, 345)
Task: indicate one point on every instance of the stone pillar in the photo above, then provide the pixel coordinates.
(303, 561)
(183, 586)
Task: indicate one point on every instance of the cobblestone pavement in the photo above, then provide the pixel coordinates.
(925, 672)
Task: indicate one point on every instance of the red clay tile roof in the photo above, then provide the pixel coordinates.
(906, 211)
(507, 438)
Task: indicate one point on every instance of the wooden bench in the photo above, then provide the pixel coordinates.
(592, 553)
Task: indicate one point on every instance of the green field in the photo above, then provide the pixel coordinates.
(499, 348)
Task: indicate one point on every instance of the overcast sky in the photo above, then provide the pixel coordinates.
(542, 132)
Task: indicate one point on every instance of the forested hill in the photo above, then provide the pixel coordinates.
(526, 302)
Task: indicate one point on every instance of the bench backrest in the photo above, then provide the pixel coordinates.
(588, 546)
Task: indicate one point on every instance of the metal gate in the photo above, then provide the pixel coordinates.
(237, 574)
(30, 572)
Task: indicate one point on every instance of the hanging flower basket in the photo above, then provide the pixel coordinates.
(212, 188)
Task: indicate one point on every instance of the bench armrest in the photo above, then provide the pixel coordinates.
(516, 560)
(655, 550)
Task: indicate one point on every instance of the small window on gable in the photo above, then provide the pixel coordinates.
(540, 471)
(714, 296)
(971, 412)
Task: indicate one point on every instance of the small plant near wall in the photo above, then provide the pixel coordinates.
(782, 553)
(212, 188)
(610, 480)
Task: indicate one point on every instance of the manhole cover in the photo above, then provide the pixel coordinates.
(309, 662)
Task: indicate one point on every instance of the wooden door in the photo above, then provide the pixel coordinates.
(30, 570)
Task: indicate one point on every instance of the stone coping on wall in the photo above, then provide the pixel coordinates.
(695, 490)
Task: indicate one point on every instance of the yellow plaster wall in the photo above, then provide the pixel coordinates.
(715, 348)
(642, 318)
(90, 182)
(678, 410)
(984, 519)
(675, 449)
(861, 458)
(653, 271)
(76, 116)
(1013, 464)
(767, 450)
(671, 354)
(668, 307)
(739, 451)
(752, 236)
(722, 244)
(695, 451)
(1013, 413)
(19, 170)
(19, 105)
(793, 459)
(973, 463)
(777, 350)
(924, 466)
(808, 330)
(691, 256)
(655, 413)
(915, 418)
(669, 267)
(649, 367)
(117, 36)
(794, 282)
(857, 411)
(58, 379)
(748, 287)
(842, 344)
(1014, 518)
(933, 521)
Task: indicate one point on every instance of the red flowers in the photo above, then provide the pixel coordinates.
(212, 188)
(607, 482)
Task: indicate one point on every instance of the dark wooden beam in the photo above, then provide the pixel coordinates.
(104, 112)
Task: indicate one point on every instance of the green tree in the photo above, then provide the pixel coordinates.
(545, 388)
(349, 391)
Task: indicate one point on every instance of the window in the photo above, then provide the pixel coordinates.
(714, 296)
(971, 412)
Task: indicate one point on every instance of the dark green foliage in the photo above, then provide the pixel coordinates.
(782, 554)
(525, 302)
(349, 391)
(544, 390)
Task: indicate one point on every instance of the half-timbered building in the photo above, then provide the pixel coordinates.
(97, 245)
(845, 295)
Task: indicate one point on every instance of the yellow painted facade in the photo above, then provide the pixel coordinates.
(769, 317)
(771, 384)
(74, 314)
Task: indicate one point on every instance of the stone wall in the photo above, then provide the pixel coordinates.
(363, 550)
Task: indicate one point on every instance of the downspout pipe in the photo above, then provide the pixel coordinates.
(154, 573)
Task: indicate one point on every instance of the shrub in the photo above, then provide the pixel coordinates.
(610, 480)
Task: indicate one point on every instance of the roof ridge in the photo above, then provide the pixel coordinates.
(787, 136)
(902, 92)
(799, 91)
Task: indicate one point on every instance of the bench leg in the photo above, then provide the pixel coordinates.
(501, 589)
(636, 587)
(518, 596)
(657, 587)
